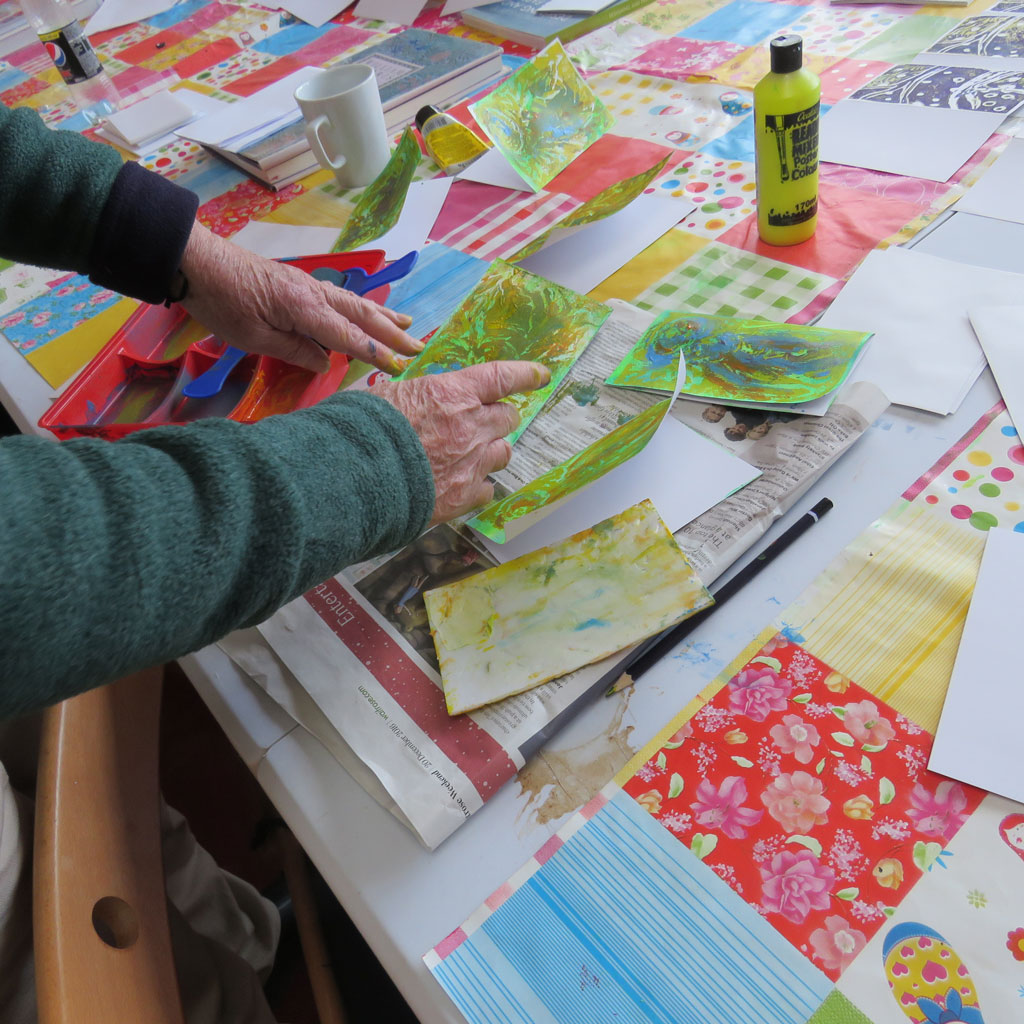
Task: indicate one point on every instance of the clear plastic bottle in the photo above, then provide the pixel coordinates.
(72, 54)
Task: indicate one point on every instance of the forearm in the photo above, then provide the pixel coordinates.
(115, 556)
(70, 203)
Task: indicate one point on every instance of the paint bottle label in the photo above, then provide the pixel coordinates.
(72, 53)
(796, 142)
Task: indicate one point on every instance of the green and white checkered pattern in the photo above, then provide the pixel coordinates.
(723, 281)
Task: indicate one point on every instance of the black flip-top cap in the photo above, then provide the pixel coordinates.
(423, 114)
(787, 53)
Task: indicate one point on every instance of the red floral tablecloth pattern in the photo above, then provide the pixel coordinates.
(809, 797)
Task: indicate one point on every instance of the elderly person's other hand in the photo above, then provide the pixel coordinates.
(462, 421)
(264, 306)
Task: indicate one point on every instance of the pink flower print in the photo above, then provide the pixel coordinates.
(66, 290)
(795, 736)
(12, 320)
(837, 943)
(940, 813)
(101, 296)
(795, 801)
(40, 319)
(722, 808)
(757, 692)
(863, 722)
(794, 884)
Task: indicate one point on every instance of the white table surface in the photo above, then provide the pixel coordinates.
(404, 898)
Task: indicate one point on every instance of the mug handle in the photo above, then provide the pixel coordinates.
(316, 143)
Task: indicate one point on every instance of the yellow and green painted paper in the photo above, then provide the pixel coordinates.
(613, 199)
(562, 480)
(550, 612)
(513, 314)
(728, 359)
(543, 116)
(379, 207)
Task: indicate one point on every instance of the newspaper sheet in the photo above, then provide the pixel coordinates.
(359, 645)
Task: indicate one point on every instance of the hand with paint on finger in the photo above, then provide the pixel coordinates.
(462, 422)
(267, 307)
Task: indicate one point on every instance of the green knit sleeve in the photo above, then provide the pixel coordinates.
(53, 187)
(114, 556)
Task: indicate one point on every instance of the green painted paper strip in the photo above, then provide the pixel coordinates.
(377, 210)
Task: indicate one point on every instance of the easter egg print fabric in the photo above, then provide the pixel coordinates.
(809, 797)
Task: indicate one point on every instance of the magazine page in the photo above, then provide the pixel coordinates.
(360, 647)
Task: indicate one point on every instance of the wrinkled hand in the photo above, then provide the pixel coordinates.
(462, 421)
(273, 309)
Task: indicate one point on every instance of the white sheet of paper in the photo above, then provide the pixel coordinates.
(274, 241)
(115, 13)
(422, 207)
(979, 734)
(400, 12)
(251, 117)
(581, 261)
(199, 103)
(150, 118)
(971, 60)
(1000, 329)
(901, 138)
(455, 6)
(313, 12)
(574, 6)
(980, 241)
(683, 473)
(924, 352)
(493, 169)
(997, 193)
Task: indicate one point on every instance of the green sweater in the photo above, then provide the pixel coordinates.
(114, 556)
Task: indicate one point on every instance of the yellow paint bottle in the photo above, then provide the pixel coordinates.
(786, 112)
(452, 145)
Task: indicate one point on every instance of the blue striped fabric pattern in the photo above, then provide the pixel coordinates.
(624, 924)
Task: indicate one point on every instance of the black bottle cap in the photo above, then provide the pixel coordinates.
(423, 113)
(787, 53)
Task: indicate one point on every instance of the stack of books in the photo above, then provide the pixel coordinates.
(263, 134)
(524, 21)
(415, 68)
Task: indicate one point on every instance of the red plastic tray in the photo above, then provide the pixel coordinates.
(136, 379)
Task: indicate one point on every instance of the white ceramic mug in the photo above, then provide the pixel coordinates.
(345, 122)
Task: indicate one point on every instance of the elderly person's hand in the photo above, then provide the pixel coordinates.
(462, 421)
(264, 306)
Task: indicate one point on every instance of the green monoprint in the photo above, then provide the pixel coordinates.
(513, 314)
(837, 1009)
(732, 360)
(379, 207)
(613, 199)
(550, 612)
(542, 117)
(583, 468)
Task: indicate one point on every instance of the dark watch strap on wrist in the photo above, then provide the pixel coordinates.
(177, 290)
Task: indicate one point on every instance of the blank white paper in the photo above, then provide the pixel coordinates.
(581, 261)
(901, 138)
(277, 241)
(1000, 329)
(681, 472)
(400, 12)
(313, 12)
(115, 13)
(494, 169)
(980, 241)
(978, 740)
(998, 193)
(924, 352)
(422, 207)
